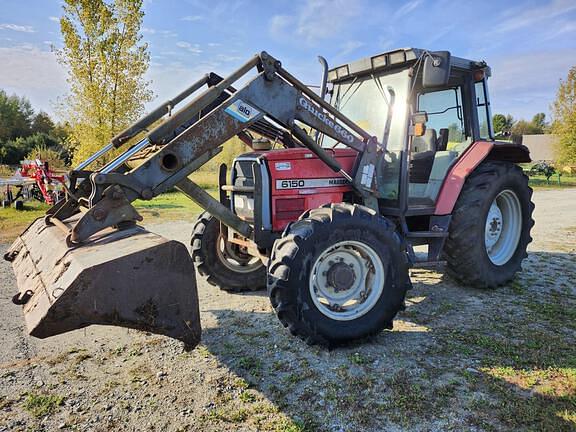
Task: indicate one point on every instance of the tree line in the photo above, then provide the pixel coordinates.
(26, 134)
(506, 127)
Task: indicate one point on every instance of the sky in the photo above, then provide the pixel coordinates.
(529, 44)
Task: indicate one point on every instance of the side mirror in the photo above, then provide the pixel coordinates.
(436, 69)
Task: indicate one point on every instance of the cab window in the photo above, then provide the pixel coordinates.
(483, 109)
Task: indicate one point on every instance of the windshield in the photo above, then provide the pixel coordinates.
(367, 100)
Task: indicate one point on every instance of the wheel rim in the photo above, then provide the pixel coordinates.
(346, 280)
(234, 259)
(503, 227)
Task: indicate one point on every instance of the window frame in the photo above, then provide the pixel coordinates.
(487, 108)
(460, 106)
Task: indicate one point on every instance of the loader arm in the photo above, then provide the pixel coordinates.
(273, 97)
(87, 262)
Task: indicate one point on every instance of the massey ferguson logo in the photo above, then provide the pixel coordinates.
(347, 136)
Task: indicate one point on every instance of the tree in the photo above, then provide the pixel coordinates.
(564, 124)
(12, 152)
(15, 117)
(502, 125)
(42, 123)
(523, 127)
(21, 130)
(454, 133)
(106, 62)
(539, 123)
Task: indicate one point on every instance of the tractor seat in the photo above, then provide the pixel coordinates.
(425, 143)
(423, 150)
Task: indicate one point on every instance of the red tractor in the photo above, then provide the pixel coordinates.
(400, 153)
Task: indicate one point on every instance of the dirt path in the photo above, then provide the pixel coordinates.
(457, 359)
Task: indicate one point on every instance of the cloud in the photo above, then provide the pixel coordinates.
(168, 33)
(170, 78)
(279, 25)
(517, 18)
(54, 18)
(192, 18)
(525, 84)
(18, 28)
(314, 22)
(227, 58)
(348, 47)
(406, 9)
(560, 30)
(193, 48)
(20, 66)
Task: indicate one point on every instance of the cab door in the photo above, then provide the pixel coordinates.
(446, 137)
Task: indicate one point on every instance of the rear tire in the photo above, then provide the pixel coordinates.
(490, 227)
(19, 205)
(312, 289)
(222, 263)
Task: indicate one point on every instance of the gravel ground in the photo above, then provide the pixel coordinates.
(457, 359)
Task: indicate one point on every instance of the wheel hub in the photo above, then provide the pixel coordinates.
(346, 280)
(503, 227)
(341, 276)
(493, 229)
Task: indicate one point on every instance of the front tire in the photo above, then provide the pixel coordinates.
(224, 264)
(338, 274)
(490, 227)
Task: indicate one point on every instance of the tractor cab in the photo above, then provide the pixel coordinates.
(424, 108)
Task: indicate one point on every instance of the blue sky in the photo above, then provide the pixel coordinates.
(529, 44)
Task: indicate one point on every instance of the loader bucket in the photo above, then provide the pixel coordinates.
(130, 278)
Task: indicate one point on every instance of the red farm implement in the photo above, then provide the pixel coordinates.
(33, 180)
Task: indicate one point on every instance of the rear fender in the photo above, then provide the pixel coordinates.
(468, 161)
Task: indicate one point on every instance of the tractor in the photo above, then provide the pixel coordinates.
(392, 165)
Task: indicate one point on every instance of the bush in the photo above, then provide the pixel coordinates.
(45, 154)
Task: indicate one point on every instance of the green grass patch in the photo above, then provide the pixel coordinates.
(558, 310)
(40, 405)
(13, 222)
(170, 206)
(533, 399)
(539, 182)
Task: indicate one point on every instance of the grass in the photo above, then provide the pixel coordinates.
(13, 222)
(40, 405)
(539, 182)
(169, 206)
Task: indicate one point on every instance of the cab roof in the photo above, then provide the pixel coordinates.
(395, 59)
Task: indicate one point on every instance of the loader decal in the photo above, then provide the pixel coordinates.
(241, 111)
(324, 118)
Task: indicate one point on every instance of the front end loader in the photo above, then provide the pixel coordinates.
(327, 211)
